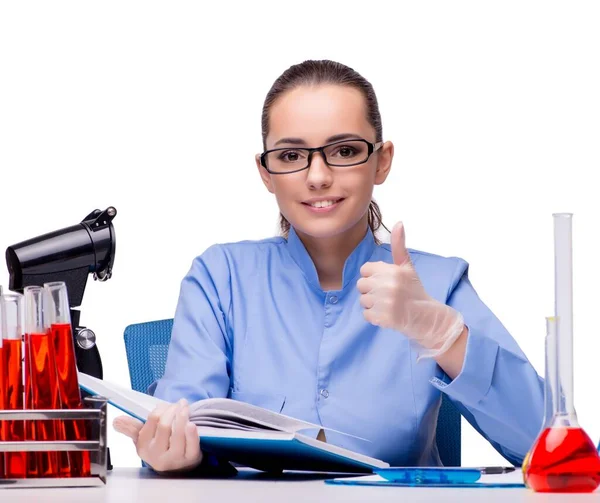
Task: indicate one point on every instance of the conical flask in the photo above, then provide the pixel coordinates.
(563, 458)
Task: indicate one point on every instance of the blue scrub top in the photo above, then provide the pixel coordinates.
(253, 324)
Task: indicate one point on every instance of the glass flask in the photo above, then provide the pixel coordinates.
(563, 458)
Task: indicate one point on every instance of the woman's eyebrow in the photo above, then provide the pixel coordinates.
(300, 141)
(293, 141)
(343, 136)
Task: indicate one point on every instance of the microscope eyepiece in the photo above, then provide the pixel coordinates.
(69, 254)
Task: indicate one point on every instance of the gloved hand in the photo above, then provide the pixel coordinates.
(167, 441)
(394, 297)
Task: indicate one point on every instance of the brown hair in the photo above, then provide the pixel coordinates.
(317, 72)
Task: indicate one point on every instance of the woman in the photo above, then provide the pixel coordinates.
(327, 324)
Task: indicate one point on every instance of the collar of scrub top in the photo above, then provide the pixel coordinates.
(361, 254)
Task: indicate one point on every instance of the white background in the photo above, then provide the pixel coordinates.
(154, 107)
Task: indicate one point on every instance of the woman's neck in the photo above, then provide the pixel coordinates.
(329, 254)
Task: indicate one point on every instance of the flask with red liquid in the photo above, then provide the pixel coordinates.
(12, 308)
(563, 458)
(41, 386)
(56, 309)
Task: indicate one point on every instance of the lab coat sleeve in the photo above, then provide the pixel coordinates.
(498, 391)
(199, 358)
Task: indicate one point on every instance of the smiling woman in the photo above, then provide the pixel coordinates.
(325, 321)
(328, 95)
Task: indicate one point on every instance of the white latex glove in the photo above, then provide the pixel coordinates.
(167, 441)
(394, 297)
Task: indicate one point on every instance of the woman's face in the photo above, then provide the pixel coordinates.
(313, 116)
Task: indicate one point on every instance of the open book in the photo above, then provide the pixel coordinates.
(245, 434)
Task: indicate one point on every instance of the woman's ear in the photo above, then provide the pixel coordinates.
(264, 174)
(384, 162)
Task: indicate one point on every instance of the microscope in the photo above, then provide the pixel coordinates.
(70, 255)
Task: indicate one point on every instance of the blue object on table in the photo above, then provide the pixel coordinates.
(429, 475)
(356, 481)
(147, 344)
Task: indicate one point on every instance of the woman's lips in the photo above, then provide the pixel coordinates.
(323, 209)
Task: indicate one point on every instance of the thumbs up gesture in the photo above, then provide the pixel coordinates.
(394, 297)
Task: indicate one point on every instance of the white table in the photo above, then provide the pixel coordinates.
(141, 485)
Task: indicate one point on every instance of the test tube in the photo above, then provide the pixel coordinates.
(2, 383)
(12, 310)
(563, 273)
(59, 318)
(41, 390)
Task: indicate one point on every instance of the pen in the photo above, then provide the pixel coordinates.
(496, 470)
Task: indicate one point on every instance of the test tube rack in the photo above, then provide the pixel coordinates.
(94, 410)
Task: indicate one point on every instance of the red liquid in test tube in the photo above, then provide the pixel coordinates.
(70, 396)
(44, 392)
(14, 462)
(57, 308)
(2, 384)
(14, 430)
(31, 470)
(42, 387)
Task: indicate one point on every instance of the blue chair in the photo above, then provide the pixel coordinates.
(147, 344)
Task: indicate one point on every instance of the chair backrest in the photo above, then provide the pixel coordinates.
(447, 434)
(147, 345)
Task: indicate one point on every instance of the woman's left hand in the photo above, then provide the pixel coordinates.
(394, 297)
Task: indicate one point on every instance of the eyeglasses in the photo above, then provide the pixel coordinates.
(342, 153)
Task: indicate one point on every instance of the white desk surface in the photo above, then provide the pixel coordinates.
(141, 485)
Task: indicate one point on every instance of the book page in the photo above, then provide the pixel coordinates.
(232, 410)
(132, 402)
(238, 422)
(214, 423)
(224, 412)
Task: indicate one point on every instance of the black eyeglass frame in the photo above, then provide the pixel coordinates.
(371, 148)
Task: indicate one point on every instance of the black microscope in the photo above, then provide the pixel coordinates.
(69, 255)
